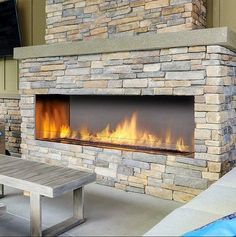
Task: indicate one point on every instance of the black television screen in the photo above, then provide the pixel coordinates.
(9, 28)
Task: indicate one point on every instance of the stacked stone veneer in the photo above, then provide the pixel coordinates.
(207, 73)
(10, 115)
(70, 20)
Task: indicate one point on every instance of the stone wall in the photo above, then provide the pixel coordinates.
(10, 115)
(207, 73)
(71, 20)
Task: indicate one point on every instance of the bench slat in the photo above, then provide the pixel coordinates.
(48, 180)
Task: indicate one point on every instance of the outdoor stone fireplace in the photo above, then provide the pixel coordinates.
(151, 114)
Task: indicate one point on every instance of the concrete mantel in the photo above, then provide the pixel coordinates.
(222, 36)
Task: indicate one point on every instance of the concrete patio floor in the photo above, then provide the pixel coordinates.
(108, 211)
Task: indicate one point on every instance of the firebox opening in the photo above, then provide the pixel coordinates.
(139, 123)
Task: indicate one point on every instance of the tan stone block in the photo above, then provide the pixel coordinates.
(216, 150)
(177, 83)
(112, 56)
(141, 30)
(140, 175)
(159, 192)
(213, 71)
(188, 91)
(152, 173)
(215, 81)
(171, 158)
(216, 117)
(98, 36)
(182, 197)
(195, 49)
(53, 67)
(128, 26)
(120, 186)
(137, 3)
(172, 10)
(216, 136)
(186, 166)
(145, 23)
(91, 9)
(214, 167)
(157, 167)
(213, 143)
(151, 67)
(137, 185)
(133, 179)
(200, 114)
(92, 2)
(214, 89)
(135, 83)
(188, 7)
(97, 31)
(61, 29)
(156, 4)
(188, 190)
(214, 98)
(176, 28)
(124, 20)
(210, 176)
(105, 172)
(96, 64)
(163, 91)
(80, 4)
(205, 107)
(122, 177)
(202, 134)
(95, 84)
(165, 52)
(53, 7)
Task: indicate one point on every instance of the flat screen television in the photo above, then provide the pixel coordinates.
(9, 28)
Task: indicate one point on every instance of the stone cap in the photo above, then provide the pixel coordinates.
(222, 36)
(9, 96)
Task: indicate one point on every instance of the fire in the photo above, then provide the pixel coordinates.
(126, 132)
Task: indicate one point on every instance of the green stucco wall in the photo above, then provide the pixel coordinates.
(32, 23)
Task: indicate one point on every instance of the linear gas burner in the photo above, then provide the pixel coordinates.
(152, 150)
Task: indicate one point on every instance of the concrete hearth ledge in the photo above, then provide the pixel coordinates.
(215, 36)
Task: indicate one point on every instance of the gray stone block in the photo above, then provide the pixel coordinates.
(125, 170)
(191, 182)
(176, 66)
(191, 75)
(150, 74)
(183, 172)
(159, 159)
(106, 182)
(138, 164)
(191, 161)
(135, 189)
(101, 163)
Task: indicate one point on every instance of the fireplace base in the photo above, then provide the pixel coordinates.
(158, 151)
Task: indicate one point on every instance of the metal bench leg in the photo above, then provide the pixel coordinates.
(78, 203)
(75, 220)
(1, 190)
(35, 215)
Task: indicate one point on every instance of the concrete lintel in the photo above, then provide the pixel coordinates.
(9, 96)
(214, 36)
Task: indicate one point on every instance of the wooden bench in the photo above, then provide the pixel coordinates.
(45, 180)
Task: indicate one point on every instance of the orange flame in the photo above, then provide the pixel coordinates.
(126, 132)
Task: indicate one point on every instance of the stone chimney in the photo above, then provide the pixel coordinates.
(73, 20)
